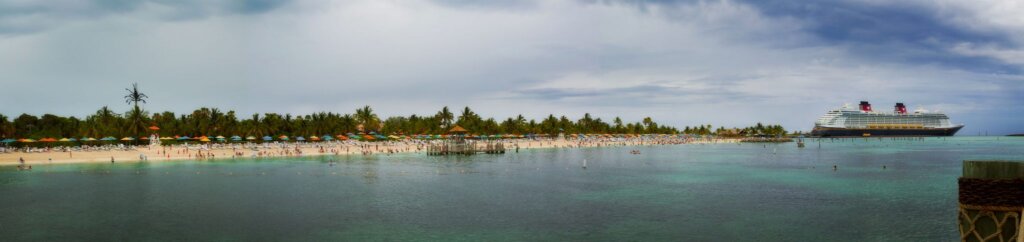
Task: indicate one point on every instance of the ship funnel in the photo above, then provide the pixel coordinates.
(865, 106)
(900, 109)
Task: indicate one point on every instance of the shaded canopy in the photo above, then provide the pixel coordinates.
(458, 130)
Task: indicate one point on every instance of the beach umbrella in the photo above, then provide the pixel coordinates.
(283, 137)
(300, 138)
(64, 140)
(327, 138)
(108, 138)
(184, 138)
(27, 140)
(72, 139)
(7, 141)
(267, 138)
(250, 137)
(127, 139)
(204, 139)
(166, 138)
(220, 137)
(154, 128)
(342, 137)
(236, 138)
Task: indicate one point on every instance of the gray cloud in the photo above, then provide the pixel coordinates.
(683, 62)
(27, 17)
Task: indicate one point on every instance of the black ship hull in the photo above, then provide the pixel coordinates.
(843, 132)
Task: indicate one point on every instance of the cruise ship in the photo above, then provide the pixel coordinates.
(862, 121)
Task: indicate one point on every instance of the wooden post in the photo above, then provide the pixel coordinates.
(991, 201)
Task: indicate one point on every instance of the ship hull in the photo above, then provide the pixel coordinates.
(844, 132)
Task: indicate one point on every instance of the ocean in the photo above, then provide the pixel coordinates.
(709, 192)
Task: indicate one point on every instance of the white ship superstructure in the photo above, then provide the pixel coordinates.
(863, 121)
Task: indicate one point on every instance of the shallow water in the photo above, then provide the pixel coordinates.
(747, 192)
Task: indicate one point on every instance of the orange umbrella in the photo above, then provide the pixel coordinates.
(154, 128)
(47, 140)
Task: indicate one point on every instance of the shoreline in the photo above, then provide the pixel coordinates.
(213, 152)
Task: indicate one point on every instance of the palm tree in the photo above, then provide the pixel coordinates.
(367, 118)
(136, 115)
(5, 131)
(446, 116)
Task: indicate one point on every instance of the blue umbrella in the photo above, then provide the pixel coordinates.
(184, 138)
(300, 138)
(267, 138)
(108, 138)
(236, 138)
(327, 138)
(72, 140)
(7, 141)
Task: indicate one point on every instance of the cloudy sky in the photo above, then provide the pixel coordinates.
(729, 63)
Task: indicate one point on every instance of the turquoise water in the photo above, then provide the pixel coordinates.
(748, 192)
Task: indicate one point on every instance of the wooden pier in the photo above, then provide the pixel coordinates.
(457, 144)
(466, 148)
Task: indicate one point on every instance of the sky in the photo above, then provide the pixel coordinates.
(683, 63)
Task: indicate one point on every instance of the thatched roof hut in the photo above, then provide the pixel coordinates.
(458, 130)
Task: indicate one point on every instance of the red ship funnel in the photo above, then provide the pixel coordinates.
(900, 109)
(865, 106)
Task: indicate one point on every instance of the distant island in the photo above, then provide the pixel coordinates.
(137, 123)
(1016, 135)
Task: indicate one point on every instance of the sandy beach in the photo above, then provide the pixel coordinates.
(67, 155)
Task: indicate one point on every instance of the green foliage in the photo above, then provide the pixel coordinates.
(212, 122)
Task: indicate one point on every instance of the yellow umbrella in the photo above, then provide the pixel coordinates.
(205, 139)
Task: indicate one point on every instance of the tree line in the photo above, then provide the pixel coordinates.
(212, 121)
